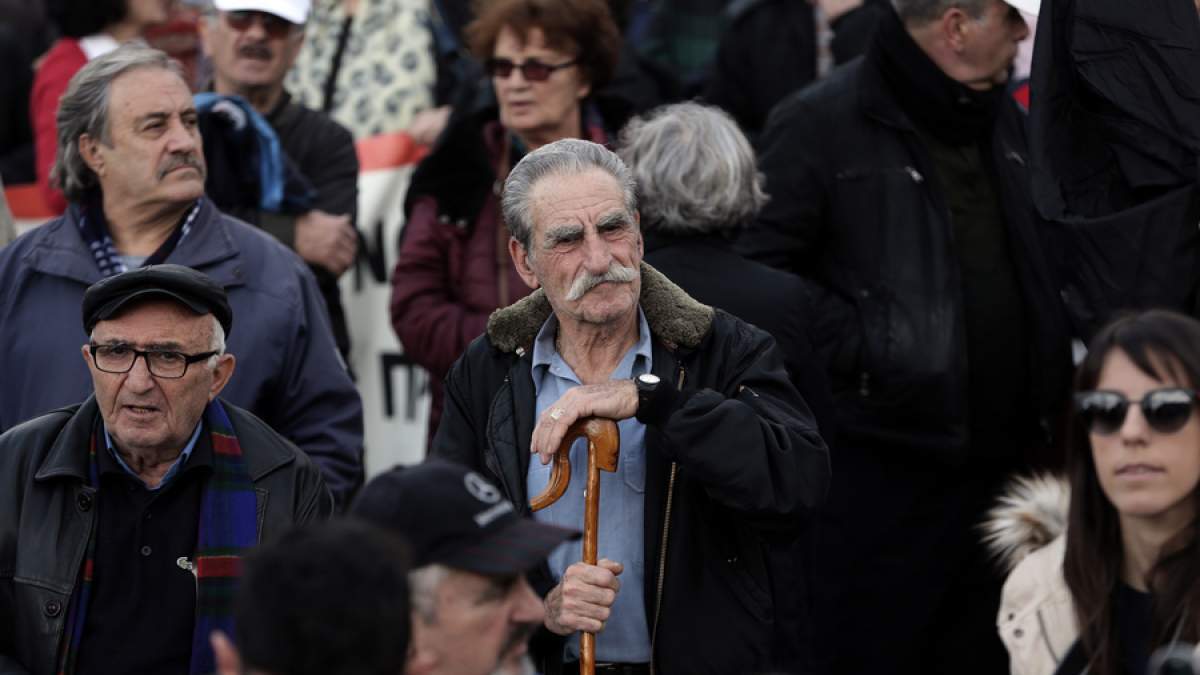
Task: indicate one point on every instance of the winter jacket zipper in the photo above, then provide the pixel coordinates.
(662, 548)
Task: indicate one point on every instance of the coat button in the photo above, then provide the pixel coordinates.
(52, 608)
(146, 551)
(84, 501)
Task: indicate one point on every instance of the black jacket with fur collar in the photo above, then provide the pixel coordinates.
(733, 464)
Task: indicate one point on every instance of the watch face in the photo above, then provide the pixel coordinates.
(649, 379)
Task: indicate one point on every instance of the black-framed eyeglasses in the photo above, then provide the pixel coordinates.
(532, 70)
(274, 26)
(1165, 410)
(162, 363)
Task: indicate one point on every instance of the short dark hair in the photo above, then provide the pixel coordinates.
(80, 18)
(1166, 346)
(582, 27)
(326, 598)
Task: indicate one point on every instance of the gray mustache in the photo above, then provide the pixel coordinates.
(178, 161)
(616, 273)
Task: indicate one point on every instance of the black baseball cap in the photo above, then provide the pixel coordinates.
(195, 290)
(453, 516)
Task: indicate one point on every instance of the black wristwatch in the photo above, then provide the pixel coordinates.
(647, 384)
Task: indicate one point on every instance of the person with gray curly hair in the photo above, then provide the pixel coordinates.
(130, 161)
(698, 186)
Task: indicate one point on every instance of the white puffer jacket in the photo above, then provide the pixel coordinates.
(1037, 618)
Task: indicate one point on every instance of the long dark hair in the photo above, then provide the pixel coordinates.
(1166, 346)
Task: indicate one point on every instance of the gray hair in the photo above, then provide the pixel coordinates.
(924, 11)
(423, 584)
(566, 157)
(694, 168)
(83, 109)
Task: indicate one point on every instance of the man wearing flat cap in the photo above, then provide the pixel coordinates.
(130, 162)
(471, 552)
(128, 514)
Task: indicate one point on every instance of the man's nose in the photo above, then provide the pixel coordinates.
(182, 138)
(597, 254)
(527, 606)
(139, 378)
(1020, 27)
(257, 28)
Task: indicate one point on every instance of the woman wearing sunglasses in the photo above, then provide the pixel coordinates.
(546, 59)
(1124, 578)
(90, 28)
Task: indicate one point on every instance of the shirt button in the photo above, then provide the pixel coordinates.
(1018, 633)
(149, 516)
(52, 608)
(146, 551)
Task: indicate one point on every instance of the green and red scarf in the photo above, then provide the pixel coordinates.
(228, 528)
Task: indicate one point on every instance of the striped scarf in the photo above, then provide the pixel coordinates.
(228, 527)
(94, 230)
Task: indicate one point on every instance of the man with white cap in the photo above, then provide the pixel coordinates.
(252, 44)
(899, 188)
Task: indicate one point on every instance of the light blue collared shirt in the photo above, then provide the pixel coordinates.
(626, 636)
(179, 461)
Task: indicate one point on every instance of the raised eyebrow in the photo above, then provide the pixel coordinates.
(617, 218)
(563, 233)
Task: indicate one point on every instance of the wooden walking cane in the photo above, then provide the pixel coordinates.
(604, 446)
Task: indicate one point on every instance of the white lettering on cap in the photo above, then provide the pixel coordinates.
(481, 489)
(484, 518)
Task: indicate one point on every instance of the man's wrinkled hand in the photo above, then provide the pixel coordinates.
(615, 400)
(326, 240)
(583, 600)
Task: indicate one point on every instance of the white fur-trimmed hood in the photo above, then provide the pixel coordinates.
(1030, 514)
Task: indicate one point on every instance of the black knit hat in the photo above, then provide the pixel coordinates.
(453, 516)
(105, 298)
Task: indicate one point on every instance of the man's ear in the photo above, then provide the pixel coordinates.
(229, 662)
(520, 258)
(89, 150)
(954, 25)
(221, 374)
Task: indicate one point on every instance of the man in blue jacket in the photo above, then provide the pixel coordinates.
(130, 162)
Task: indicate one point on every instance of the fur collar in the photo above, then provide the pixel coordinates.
(674, 317)
(1031, 513)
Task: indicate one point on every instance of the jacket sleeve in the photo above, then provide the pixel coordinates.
(789, 227)
(433, 325)
(319, 408)
(460, 437)
(752, 442)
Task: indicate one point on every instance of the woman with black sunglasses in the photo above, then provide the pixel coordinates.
(546, 61)
(1124, 578)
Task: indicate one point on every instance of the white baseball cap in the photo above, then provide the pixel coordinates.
(295, 11)
(1030, 7)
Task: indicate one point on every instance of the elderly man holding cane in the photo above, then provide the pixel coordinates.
(719, 453)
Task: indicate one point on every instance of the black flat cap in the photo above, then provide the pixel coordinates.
(105, 298)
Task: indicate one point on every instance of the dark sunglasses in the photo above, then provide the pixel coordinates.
(1165, 410)
(273, 26)
(532, 70)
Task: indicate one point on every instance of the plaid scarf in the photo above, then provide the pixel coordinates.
(94, 229)
(228, 527)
